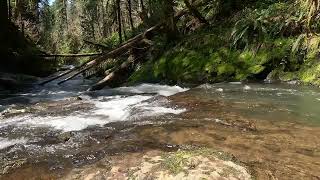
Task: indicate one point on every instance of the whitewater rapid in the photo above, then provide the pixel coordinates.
(109, 105)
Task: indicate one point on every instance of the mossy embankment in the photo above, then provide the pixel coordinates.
(265, 40)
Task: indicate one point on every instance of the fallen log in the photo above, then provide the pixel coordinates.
(66, 73)
(76, 74)
(112, 54)
(115, 77)
(71, 55)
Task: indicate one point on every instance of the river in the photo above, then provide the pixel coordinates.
(63, 131)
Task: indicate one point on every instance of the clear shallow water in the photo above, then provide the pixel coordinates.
(268, 101)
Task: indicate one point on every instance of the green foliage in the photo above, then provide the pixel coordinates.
(144, 74)
(220, 65)
(256, 25)
(112, 41)
(311, 10)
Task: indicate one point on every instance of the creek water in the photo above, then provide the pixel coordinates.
(49, 131)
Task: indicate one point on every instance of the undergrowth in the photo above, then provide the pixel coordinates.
(268, 40)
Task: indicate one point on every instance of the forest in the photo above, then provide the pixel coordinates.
(193, 42)
(159, 89)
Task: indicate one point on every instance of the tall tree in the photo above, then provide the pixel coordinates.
(4, 11)
(130, 14)
(142, 6)
(4, 23)
(170, 20)
(118, 6)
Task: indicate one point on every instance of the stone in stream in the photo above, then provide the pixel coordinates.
(200, 163)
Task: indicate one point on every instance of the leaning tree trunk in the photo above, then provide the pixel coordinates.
(116, 77)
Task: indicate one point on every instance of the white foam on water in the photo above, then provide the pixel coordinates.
(246, 87)
(107, 109)
(118, 108)
(235, 83)
(156, 110)
(67, 123)
(5, 142)
(163, 90)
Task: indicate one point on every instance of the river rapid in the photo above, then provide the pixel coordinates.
(55, 131)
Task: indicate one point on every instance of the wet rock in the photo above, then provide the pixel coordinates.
(13, 111)
(64, 137)
(197, 164)
(192, 164)
(8, 166)
(8, 83)
(12, 81)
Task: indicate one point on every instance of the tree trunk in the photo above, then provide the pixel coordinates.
(195, 12)
(4, 29)
(119, 21)
(142, 6)
(9, 11)
(116, 77)
(65, 13)
(4, 12)
(130, 14)
(124, 29)
(171, 21)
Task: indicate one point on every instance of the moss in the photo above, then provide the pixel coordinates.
(310, 74)
(217, 54)
(288, 76)
(144, 74)
(176, 161)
